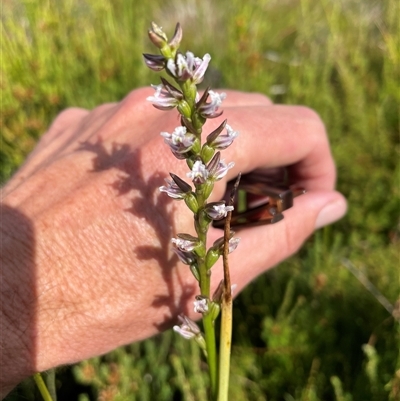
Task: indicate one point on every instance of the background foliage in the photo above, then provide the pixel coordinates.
(310, 329)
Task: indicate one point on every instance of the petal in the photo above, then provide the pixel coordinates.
(162, 103)
(201, 69)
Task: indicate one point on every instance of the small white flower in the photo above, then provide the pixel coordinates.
(199, 173)
(178, 136)
(185, 67)
(233, 244)
(210, 110)
(219, 244)
(201, 67)
(171, 67)
(223, 141)
(188, 328)
(179, 141)
(187, 334)
(184, 245)
(162, 99)
(172, 190)
(201, 304)
(221, 170)
(216, 98)
(222, 210)
(158, 88)
(187, 258)
(182, 65)
(217, 210)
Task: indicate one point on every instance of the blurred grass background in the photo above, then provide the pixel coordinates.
(309, 330)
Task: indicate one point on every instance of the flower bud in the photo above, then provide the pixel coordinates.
(214, 309)
(191, 202)
(207, 188)
(214, 135)
(157, 36)
(184, 108)
(172, 90)
(190, 161)
(188, 124)
(158, 31)
(154, 61)
(183, 185)
(196, 146)
(176, 39)
(214, 163)
(195, 271)
(177, 189)
(191, 92)
(197, 120)
(212, 257)
(159, 39)
(207, 152)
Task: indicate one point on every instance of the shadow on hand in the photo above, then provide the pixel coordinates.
(149, 204)
(17, 298)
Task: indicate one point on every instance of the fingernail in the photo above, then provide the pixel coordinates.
(330, 213)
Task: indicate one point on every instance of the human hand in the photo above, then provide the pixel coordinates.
(86, 258)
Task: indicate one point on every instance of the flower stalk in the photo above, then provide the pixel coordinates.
(185, 72)
(41, 385)
(226, 308)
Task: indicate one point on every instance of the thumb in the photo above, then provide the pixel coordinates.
(262, 247)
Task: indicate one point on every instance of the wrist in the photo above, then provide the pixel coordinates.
(17, 304)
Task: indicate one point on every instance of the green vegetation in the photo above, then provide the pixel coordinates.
(308, 330)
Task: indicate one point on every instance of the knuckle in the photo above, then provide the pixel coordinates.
(71, 113)
(311, 119)
(308, 113)
(135, 101)
(312, 128)
(64, 119)
(101, 110)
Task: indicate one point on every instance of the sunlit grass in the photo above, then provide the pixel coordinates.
(300, 330)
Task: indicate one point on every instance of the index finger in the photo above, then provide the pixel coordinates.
(276, 136)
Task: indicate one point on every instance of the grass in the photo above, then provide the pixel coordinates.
(308, 330)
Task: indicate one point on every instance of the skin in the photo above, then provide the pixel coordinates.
(86, 259)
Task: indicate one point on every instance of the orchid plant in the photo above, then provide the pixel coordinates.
(205, 168)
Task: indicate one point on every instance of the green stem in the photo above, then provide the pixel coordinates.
(209, 334)
(42, 387)
(225, 348)
(189, 91)
(208, 325)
